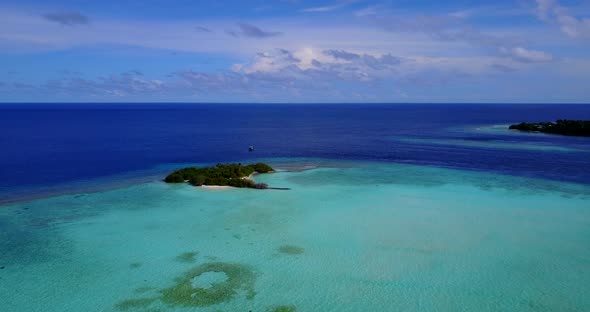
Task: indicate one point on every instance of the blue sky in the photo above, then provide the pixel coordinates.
(295, 51)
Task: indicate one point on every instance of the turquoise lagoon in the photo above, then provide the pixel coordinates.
(348, 236)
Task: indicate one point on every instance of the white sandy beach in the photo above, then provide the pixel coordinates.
(216, 187)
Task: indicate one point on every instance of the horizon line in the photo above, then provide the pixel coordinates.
(298, 103)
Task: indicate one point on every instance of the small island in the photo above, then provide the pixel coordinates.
(236, 175)
(562, 126)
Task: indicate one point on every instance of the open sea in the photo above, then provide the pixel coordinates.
(390, 208)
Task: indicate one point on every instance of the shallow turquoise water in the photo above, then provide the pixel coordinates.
(366, 237)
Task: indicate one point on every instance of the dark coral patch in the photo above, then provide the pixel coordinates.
(135, 303)
(291, 250)
(135, 265)
(284, 308)
(239, 278)
(188, 257)
(141, 290)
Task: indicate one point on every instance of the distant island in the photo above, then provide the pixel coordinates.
(236, 175)
(562, 126)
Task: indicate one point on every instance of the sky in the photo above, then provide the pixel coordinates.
(295, 51)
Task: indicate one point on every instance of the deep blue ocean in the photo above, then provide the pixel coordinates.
(388, 208)
(46, 145)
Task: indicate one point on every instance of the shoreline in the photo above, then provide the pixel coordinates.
(226, 187)
(215, 187)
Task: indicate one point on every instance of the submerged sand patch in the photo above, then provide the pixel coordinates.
(209, 279)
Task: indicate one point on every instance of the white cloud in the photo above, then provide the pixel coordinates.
(320, 9)
(552, 12)
(454, 28)
(23, 32)
(275, 73)
(300, 76)
(315, 55)
(325, 66)
(120, 85)
(527, 56)
(461, 14)
(368, 11)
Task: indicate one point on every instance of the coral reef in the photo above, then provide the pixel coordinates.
(135, 265)
(129, 304)
(284, 308)
(188, 257)
(291, 250)
(239, 278)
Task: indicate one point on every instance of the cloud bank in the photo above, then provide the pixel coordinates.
(378, 53)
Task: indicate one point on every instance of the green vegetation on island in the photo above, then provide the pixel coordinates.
(562, 126)
(235, 175)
